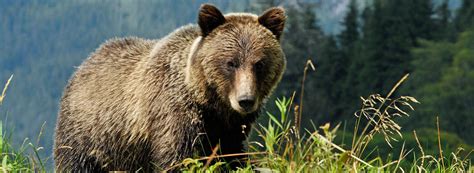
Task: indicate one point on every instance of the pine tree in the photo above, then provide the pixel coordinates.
(444, 13)
(350, 35)
(419, 18)
(342, 75)
(391, 31)
(465, 16)
(368, 76)
(301, 39)
(444, 27)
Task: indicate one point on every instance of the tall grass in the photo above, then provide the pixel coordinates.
(281, 146)
(24, 158)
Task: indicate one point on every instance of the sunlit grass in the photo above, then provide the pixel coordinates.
(282, 147)
(24, 158)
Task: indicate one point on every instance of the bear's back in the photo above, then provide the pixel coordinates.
(93, 96)
(111, 80)
(103, 78)
(119, 54)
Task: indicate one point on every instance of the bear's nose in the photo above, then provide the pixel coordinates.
(246, 102)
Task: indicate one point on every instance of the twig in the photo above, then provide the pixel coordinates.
(212, 156)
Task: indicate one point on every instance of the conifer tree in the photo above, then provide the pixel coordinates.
(348, 54)
(465, 16)
(350, 34)
(444, 29)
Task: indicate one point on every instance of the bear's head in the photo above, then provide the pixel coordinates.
(238, 58)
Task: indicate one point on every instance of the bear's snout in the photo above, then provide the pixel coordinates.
(244, 103)
(244, 98)
(247, 102)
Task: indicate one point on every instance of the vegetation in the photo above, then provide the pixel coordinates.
(379, 42)
(15, 159)
(284, 148)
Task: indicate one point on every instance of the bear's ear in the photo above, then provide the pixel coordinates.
(209, 18)
(273, 19)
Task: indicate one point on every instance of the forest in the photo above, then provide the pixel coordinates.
(359, 47)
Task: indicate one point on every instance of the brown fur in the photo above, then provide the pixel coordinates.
(135, 102)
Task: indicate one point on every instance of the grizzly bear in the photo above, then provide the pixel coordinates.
(138, 104)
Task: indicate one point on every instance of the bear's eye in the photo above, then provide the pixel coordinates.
(232, 64)
(259, 65)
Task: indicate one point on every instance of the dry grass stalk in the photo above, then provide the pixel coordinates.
(439, 142)
(421, 149)
(379, 112)
(308, 64)
(5, 89)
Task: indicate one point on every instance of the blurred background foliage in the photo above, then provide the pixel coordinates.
(360, 47)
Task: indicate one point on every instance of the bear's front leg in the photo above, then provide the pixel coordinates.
(173, 140)
(229, 138)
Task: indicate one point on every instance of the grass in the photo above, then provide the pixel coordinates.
(24, 158)
(283, 147)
